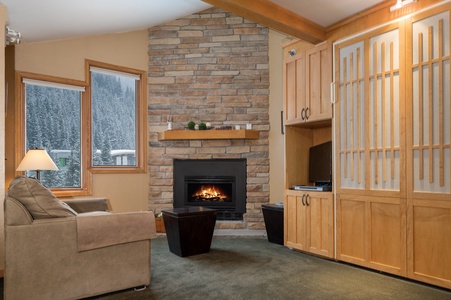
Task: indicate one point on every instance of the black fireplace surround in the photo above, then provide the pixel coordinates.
(214, 183)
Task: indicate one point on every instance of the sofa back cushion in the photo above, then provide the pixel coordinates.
(37, 199)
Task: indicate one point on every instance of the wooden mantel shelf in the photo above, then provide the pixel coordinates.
(169, 135)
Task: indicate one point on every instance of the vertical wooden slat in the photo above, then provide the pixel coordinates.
(440, 103)
(420, 104)
(376, 115)
(359, 121)
(383, 114)
(430, 104)
(351, 112)
(392, 111)
(345, 117)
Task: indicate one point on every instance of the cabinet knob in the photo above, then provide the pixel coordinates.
(303, 114)
(306, 113)
(306, 199)
(303, 200)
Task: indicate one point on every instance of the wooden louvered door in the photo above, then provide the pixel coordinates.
(428, 144)
(370, 169)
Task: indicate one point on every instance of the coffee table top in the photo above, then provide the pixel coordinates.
(189, 211)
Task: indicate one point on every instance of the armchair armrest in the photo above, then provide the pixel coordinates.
(82, 205)
(98, 231)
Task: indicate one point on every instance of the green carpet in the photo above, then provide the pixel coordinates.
(253, 268)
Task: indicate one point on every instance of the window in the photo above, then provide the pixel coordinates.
(118, 114)
(99, 127)
(52, 113)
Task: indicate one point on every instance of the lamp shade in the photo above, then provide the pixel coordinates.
(36, 159)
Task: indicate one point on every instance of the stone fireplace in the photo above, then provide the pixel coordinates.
(210, 67)
(212, 183)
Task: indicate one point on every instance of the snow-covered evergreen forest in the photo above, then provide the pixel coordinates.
(53, 122)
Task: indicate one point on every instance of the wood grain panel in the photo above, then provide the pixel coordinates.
(432, 240)
(387, 238)
(352, 230)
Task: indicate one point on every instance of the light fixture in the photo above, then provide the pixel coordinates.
(36, 159)
(11, 36)
(401, 3)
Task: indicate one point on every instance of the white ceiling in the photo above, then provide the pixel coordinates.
(43, 20)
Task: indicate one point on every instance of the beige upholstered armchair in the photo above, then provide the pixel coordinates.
(53, 252)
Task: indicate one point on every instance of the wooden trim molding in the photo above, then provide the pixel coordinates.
(275, 17)
(373, 17)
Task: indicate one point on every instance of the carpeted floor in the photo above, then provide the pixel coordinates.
(253, 268)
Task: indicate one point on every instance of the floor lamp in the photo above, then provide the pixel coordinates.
(36, 159)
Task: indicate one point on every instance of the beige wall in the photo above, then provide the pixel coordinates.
(276, 139)
(66, 58)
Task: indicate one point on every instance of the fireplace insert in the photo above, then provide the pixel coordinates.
(212, 183)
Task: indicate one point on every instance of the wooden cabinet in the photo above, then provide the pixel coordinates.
(309, 222)
(393, 148)
(298, 141)
(307, 78)
(308, 216)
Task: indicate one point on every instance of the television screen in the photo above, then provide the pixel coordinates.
(320, 164)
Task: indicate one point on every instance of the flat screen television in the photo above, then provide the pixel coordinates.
(320, 164)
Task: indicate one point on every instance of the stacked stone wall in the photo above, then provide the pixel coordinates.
(210, 67)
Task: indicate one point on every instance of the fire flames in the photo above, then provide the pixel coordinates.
(209, 193)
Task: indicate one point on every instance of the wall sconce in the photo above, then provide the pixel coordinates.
(36, 159)
(11, 36)
(401, 3)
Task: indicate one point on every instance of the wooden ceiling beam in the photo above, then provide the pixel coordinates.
(275, 17)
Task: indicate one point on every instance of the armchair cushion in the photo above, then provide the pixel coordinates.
(37, 199)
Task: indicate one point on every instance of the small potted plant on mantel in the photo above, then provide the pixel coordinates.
(159, 223)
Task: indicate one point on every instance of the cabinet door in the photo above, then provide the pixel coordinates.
(289, 91)
(294, 87)
(429, 143)
(371, 232)
(430, 241)
(318, 66)
(320, 229)
(294, 220)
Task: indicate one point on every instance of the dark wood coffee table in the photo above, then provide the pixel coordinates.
(189, 230)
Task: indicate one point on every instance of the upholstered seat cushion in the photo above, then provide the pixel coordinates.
(37, 199)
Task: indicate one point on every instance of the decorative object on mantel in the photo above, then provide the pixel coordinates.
(207, 134)
(200, 126)
(169, 122)
(226, 127)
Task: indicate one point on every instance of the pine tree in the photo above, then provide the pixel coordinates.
(72, 172)
(107, 160)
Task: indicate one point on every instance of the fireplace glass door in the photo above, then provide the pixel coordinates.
(216, 191)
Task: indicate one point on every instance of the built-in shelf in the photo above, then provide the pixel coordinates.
(213, 134)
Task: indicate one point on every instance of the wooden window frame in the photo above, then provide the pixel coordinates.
(86, 176)
(141, 123)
